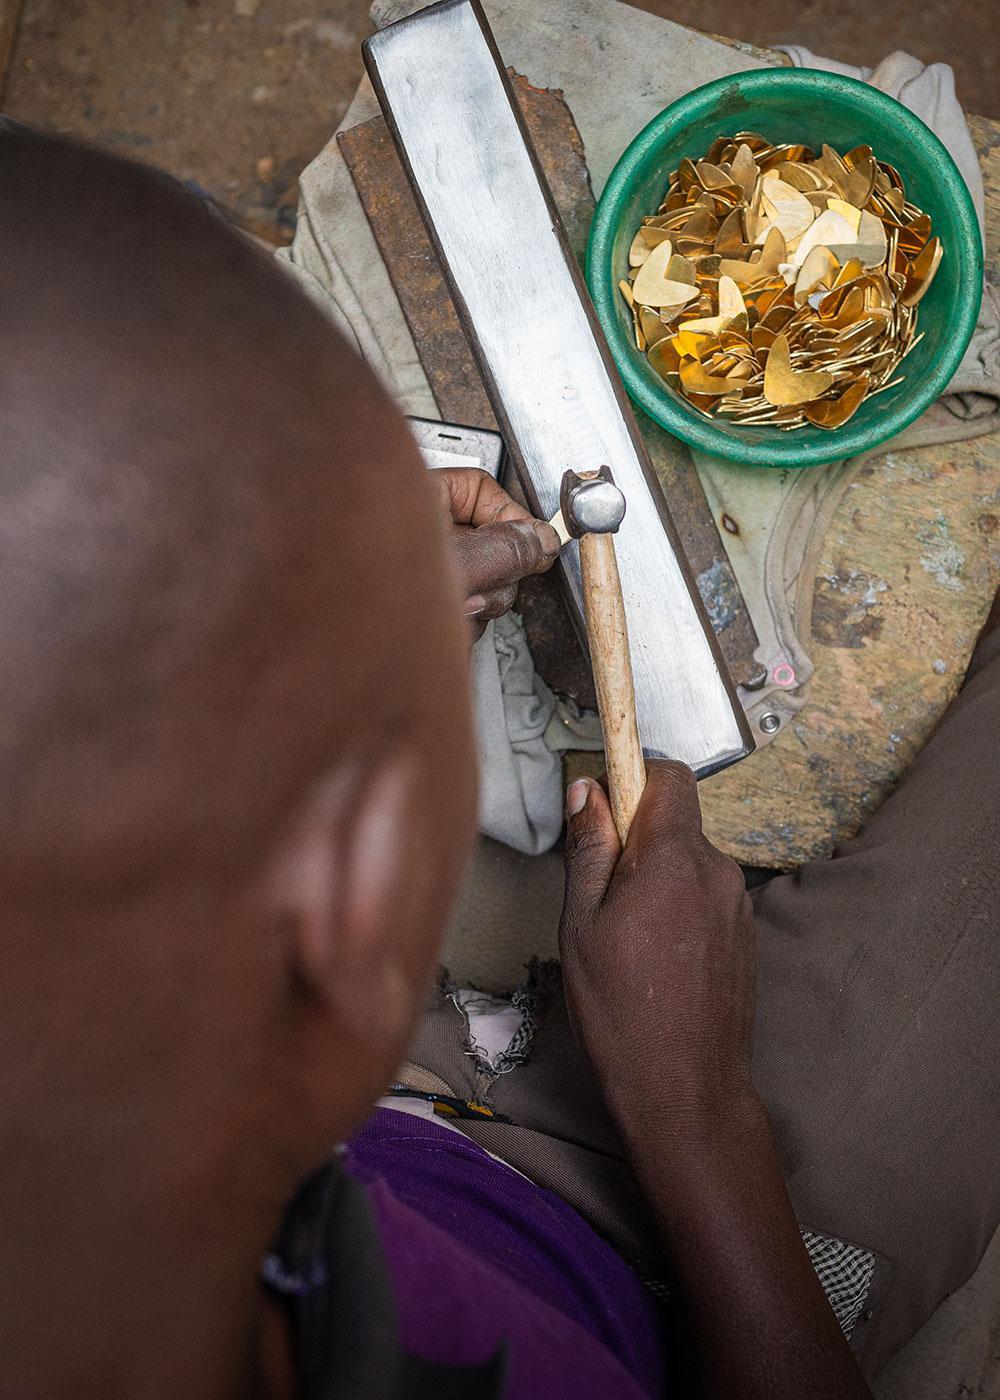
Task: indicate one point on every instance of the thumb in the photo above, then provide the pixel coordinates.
(592, 852)
(500, 555)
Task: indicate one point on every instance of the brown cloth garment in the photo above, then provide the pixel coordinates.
(876, 1044)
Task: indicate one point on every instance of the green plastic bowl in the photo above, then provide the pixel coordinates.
(793, 104)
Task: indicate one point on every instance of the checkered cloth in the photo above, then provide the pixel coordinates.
(845, 1271)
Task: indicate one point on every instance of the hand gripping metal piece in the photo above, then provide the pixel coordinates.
(557, 397)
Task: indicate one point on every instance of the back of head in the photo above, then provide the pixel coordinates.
(194, 474)
(233, 744)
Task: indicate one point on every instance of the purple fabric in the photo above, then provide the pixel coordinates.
(481, 1257)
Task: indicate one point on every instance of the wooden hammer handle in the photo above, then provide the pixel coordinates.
(609, 654)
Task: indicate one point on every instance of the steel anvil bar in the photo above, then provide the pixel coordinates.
(560, 405)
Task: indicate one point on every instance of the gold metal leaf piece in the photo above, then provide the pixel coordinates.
(776, 288)
(785, 385)
(834, 413)
(731, 303)
(651, 236)
(653, 329)
(850, 269)
(829, 229)
(820, 268)
(786, 209)
(743, 169)
(848, 211)
(696, 380)
(922, 271)
(663, 358)
(650, 285)
(681, 269)
(729, 241)
(639, 251)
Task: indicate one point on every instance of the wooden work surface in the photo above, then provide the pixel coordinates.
(458, 389)
(910, 565)
(906, 577)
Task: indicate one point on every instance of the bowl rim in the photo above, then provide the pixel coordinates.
(700, 433)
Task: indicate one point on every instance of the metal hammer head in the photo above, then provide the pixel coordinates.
(591, 504)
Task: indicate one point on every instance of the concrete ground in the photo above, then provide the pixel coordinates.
(237, 96)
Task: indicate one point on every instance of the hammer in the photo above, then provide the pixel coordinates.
(592, 508)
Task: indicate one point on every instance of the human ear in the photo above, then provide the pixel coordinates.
(351, 877)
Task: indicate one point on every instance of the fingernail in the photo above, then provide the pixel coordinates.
(474, 605)
(548, 539)
(576, 796)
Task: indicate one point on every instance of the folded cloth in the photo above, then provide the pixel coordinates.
(520, 778)
(783, 515)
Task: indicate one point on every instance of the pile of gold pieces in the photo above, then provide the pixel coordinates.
(774, 286)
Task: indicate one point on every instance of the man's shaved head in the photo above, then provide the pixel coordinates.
(235, 763)
(197, 481)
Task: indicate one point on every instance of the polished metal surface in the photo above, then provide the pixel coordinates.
(557, 398)
(591, 505)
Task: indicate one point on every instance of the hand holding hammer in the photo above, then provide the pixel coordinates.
(592, 508)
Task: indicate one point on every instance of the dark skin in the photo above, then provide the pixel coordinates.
(237, 774)
(237, 777)
(658, 952)
(237, 788)
(495, 540)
